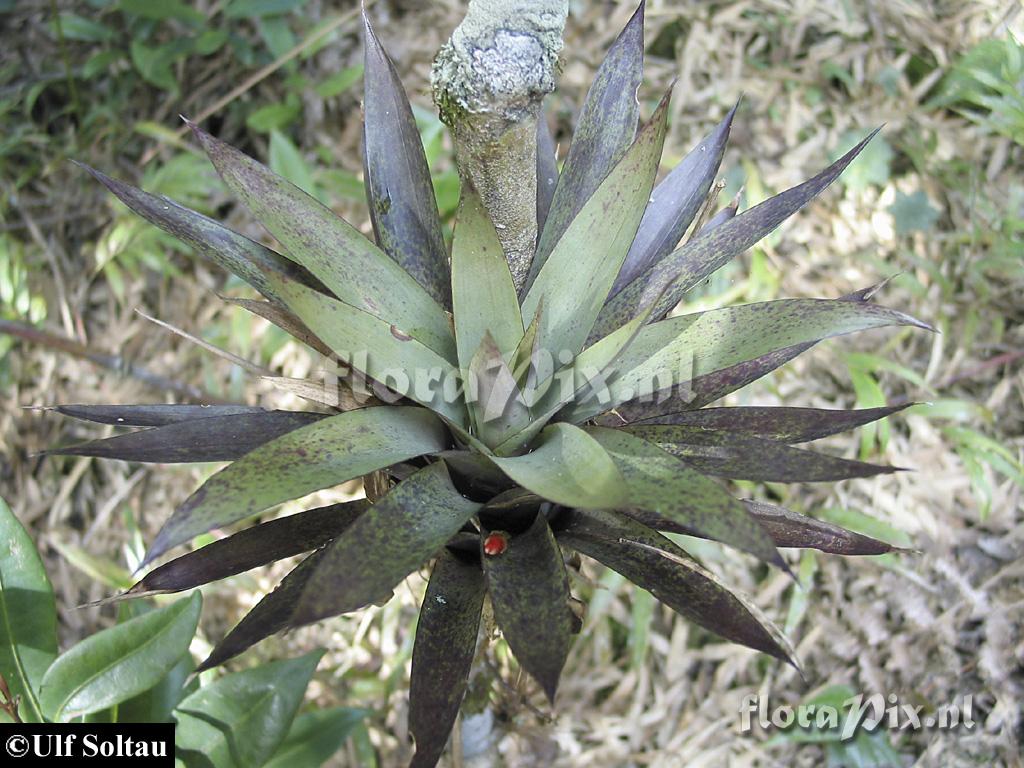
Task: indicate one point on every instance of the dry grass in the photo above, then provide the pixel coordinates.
(943, 622)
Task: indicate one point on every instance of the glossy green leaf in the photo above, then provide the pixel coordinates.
(237, 254)
(28, 616)
(315, 736)
(653, 562)
(240, 720)
(659, 482)
(118, 663)
(577, 275)
(214, 438)
(674, 203)
(676, 351)
(386, 353)
(674, 275)
(530, 594)
(483, 295)
(358, 272)
(157, 415)
(569, 467)
(787, 425)
(443, 652)
(605, 128)
(752, 458)
(250, 548)
(326, 453)
(497, 406)
(394, 537)
(402, 204)
(156, 704)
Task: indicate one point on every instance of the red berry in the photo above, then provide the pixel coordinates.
(495, 543)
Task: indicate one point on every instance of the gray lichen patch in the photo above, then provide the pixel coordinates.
(501, 59)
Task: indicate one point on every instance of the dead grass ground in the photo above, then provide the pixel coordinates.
(931, 626)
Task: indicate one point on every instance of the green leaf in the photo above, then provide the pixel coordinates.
(120, 662)
(215, 438)
(394, 537)
(358, 272)
(326, 453)
(653, 562)
(569, 467)
(665, 282)
(678, 350)
(239, 255)
(156, 415)
(872, 167)
(287, 162)
(443, 653)
(386, 353)
(238, 9)
(273, 117)
(154, 64)
(913, 213)
(581, 268)
(605, 128)
(240, 720)
(75, 27)
(497, 406)
(530, 594)
(28, 616)
(161, 10)
(403, 208)
(483, 295)
(156, 704)
(251, 548)
(339, 82)
(102, 569)
(315, 736)
(659, 482)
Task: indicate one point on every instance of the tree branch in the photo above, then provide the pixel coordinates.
(489, 80)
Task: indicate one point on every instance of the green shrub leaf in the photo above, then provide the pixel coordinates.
(120, 662)
(28, 616)
(240, 720)
(315, 736)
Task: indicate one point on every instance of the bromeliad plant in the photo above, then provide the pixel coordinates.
(509, 424)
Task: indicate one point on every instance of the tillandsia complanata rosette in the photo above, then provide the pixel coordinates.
(500, 426)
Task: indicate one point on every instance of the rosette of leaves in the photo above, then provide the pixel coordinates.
(509, 424)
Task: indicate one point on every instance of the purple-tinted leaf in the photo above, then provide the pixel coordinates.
(547, 169)
(443, 652)
(156, 415)
(708, 387)
(251, 548)
(674, 203)
(284, 320)
(724, 215)
(574, 282)
(677, 350)
(687, 266)
(530, 593)
(356, 270)
(385, 544)
(654, 563)
(323, 454)
(787, 425)
(237, 254)
(401, 197)
(215, 438)
(787, 529)
(752, 458)
(605, 128)
(659, 482)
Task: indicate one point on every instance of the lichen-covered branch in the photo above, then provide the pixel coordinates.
(489, 80)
